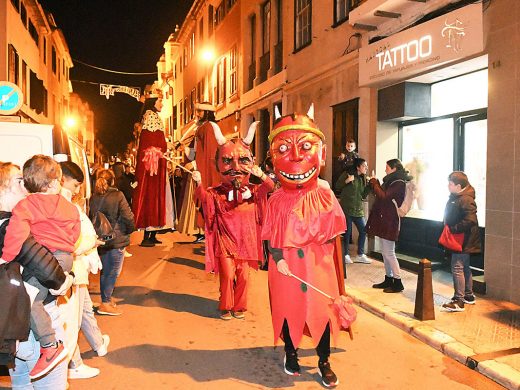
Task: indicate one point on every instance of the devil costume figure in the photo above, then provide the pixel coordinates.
(302, 221)
(233, 216)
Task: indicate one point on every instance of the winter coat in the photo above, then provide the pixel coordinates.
(352, 194)
(383, 220)
(460, 215)
(116, 209)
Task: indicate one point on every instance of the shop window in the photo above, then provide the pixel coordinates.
(460, 94)
(427, 153)
(303, 23)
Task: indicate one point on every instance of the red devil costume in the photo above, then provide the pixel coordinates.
(303, 219)
(233, 216)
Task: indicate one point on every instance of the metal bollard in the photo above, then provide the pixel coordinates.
(424, 296)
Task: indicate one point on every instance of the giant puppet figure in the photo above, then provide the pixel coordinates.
(302, 221)
(233, 213)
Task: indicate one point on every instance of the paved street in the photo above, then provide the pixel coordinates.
(170, 337)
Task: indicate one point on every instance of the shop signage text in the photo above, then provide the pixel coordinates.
(445, 39)
(108, 90)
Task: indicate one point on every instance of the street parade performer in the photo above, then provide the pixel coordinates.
(302, 223)
(233, 213)
(152, 201)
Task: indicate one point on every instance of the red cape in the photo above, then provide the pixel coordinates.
(303, 224)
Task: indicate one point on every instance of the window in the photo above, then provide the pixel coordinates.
(221, 81)
(54, 59)
(220, 13)
(303, 23)
(174, 118)
(185, 56)
(16, 5)
(341, 10)
(181, 112)
(37, 93)
(230, 3)
(201, 30)
(23, 14)
(266, 26)
(211, 20)
(192, 44)
(24, 81)
(33, 32)
(233, 79)
(186, 110)
(13, 65)
(44, 54)
(193, 95)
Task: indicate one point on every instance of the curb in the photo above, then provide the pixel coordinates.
(501, 373)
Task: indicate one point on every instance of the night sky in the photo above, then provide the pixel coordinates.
(122, 35)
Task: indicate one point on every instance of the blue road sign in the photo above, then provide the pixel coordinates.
(11, 98)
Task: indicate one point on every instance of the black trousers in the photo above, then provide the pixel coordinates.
(323, 348)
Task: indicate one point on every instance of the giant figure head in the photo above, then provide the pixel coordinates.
(297, 150)
(234, 158)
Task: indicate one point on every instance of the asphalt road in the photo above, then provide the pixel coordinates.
(170, 337)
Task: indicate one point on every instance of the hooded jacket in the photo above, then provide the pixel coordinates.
(460, 215)
(383, 220)
(50, 218)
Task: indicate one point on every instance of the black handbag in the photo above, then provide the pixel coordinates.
(102, 225)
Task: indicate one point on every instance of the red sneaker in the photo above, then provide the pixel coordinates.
(49, 358)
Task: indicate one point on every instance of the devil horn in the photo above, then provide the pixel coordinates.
(310, 113)
(221, 140)
(251, 133)
(276, 113)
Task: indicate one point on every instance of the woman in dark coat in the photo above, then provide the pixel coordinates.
(384, 222)
(113, 204)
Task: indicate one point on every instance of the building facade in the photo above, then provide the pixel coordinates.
(433, 83)
(35, 56)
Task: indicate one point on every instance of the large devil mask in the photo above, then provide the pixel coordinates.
(234, 158)
(297, 150)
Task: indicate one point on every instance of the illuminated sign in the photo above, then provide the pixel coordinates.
(108, 90)
(430, 45)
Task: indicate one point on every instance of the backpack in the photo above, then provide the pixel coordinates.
(102, 225)
(409, 197)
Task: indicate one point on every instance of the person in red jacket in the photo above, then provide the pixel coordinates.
(54, 222)
(302, 222)
(233, 213)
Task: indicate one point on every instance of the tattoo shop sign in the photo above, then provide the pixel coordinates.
(442, 40)
(108, 90)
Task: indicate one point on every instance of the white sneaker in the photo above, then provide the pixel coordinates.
(348, 260)
(103, 350)
(363, 259)
(83, 372)
(127, 254)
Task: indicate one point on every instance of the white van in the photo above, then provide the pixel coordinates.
(21, 141)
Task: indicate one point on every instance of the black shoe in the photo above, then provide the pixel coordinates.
(147, 243)
(397, 286)
(469, 299)
(386, 283)
(155, 240)
(290, 364)
(328, 378)
(200, 238)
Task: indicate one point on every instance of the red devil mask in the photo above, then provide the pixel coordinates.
(234, 158)
(297, 151)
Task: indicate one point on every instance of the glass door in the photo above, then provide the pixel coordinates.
(473, 159)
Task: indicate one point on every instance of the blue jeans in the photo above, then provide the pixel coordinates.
(462, 279)
(28, 354)
(112, 261)
(360, 225)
